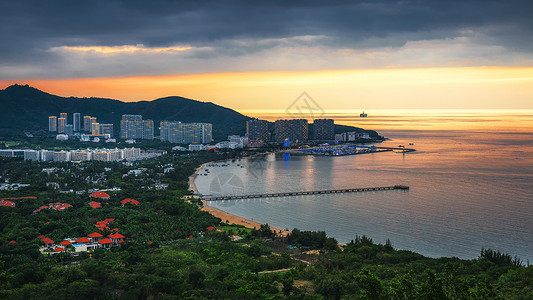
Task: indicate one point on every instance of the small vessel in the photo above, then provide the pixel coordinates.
(411, 144)
(363, 115)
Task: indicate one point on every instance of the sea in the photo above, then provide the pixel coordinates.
(470, 179)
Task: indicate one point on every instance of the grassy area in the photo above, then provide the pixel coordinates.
(10, 144)
(237, 229)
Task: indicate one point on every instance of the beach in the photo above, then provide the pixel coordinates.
(227, 217)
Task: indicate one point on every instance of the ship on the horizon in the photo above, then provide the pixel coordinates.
(363, 115)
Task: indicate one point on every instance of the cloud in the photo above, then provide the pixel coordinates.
(198, 36)
(119, 49)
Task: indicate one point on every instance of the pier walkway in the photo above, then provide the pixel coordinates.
(285, 194)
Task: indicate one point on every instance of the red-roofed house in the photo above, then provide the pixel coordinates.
(101, 195)
(41, 237)
(83, 240)
(210, 228)
(95, 236)
(115, 237)
(106, 243)
(48, 242)
(7, 203)
(65, 243)
(132, 201)
(59, 249)
(95, 204)
(12, 242)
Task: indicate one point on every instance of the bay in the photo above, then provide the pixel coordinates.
(468, 189)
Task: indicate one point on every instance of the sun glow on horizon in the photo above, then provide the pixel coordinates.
(333, 90)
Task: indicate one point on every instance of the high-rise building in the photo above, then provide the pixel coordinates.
(95, 128)
(69, 129)
(52, 123)
(131, 127)
(106, 129)
(186, 133)
(87, 123)
(257, 130)
(61, 123)
(76, 121)
(63, 115)
(324, 129)
(148, 130)
(294, 130)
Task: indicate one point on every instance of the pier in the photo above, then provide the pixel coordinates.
(286, 194)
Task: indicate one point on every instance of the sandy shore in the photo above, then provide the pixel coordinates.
(224, 216)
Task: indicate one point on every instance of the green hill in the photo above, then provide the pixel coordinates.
(25, 108)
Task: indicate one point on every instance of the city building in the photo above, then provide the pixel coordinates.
(87, 123)
(324, 129)
(80, 155)
(61, 123)
(196, 147)
(131, 127)
(148, 130)
(295, 130)
(257, 130)
(95, 128)
(61, 156)
(76, 121)
(69, 129)
(62, 137)
(31, 155)
(240, 141)
(106, 129)
(186, 133)
(52, 123)
(63, 115)
(352, 136)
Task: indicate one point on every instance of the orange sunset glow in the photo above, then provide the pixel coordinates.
(472, 87)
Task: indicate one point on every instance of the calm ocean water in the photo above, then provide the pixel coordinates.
(469, 188)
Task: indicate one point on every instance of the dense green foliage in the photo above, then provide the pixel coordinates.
(169, 252)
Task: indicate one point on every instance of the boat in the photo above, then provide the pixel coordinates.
(363, 115)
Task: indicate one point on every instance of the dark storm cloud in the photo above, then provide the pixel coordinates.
(28, 29)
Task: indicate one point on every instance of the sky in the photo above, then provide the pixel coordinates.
(259, 56)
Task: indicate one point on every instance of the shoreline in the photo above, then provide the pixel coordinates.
(225, 216)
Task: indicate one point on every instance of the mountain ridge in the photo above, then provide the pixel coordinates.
(25, 108)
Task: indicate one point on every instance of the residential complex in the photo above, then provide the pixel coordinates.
(75, 155)
(90, 125)
(52, 123)
(294, 130)
(324, 129)
(258, 130)
(76, 121)
(186, 133)
(134, 127)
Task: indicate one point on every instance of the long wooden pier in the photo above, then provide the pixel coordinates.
(285, 194)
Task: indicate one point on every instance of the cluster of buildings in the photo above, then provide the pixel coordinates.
(132, 127)
(91, 242)
(186, 133)
(90, 126)
(75, 155)
(293, 130)
(351, 136)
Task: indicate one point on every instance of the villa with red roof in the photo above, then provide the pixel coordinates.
(95, 236)
(56, 206)
(95, 204)
(102, 195)
(132, 201)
